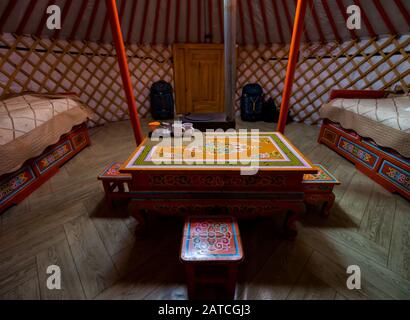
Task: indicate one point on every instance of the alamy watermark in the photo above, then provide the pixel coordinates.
(354, 21)
(231, 147)
(354, 281)
(54, 279)
(54, 18)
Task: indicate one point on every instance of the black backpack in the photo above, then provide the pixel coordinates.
(270, 111)
(162, 101)
(252, 103)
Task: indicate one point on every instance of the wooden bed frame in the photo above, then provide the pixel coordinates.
(16, 186)
(384, 166)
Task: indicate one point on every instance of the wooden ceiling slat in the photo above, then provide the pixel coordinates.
(221, 19)
(167, 20)
(385, 17)
(210, 18)
(6, 14)
(199, 20)
(403, 11)
(122, 10)
(66, 9)
(177, 14)
(92, 20)
(331, 21)
(156, 20)
(288, 17)
(342, 11)
(144, 21)
(316, 21)
(43, 20)
(241, 22)
(265, 21)
(277, 19)
(104, 28)
(26, 17)
(253, 26)
(132, 21)
(188, 22)
(366, 20)
(79, 18)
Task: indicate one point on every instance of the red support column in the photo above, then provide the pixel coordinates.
(293, 59)
(125, 73)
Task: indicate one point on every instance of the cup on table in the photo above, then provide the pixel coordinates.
(154, 125)
(178, 129)
(182, 129)
(188, 129)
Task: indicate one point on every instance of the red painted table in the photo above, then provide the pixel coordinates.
(319, 189)
(114, 183)
(186, 179)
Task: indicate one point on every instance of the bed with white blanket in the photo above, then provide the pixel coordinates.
(38, 133)
(372, 129)
(386, 121)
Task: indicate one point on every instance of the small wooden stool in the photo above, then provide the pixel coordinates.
(114, 183)
(318, 189)
(211, 251)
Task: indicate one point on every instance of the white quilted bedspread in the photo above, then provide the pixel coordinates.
(393, 112)
(22, 114)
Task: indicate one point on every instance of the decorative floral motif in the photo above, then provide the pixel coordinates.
(13, 184)
(113, 171)
(79, 140)
(216, 181)
(240, 211)
(321, 176)
(399, 177)
(210, 237)
(222, 149)
(359, 153)
(50, 159)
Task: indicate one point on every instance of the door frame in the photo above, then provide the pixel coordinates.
(180, 72)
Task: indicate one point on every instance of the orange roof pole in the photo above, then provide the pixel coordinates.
(293, 59)
(125, 73)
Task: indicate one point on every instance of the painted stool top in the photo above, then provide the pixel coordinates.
(208, 239)
(323, 176)
(112, 171)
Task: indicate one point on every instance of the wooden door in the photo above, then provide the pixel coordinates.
(199, 78)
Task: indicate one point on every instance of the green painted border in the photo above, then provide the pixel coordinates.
(294, 161)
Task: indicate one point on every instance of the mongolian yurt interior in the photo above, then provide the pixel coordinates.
(204, 149)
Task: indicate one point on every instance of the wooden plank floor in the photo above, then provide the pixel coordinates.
(65, 222)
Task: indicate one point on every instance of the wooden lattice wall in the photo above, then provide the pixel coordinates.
(90, 70)
(363, 64)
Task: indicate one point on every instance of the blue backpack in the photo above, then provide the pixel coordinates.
(252, 100)
(162, 101)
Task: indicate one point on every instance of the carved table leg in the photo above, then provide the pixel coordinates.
(190, 278)
(324, 201)
(231, 284)
(290, 230)
(141, 216)
(107, 190)
(328, 204)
